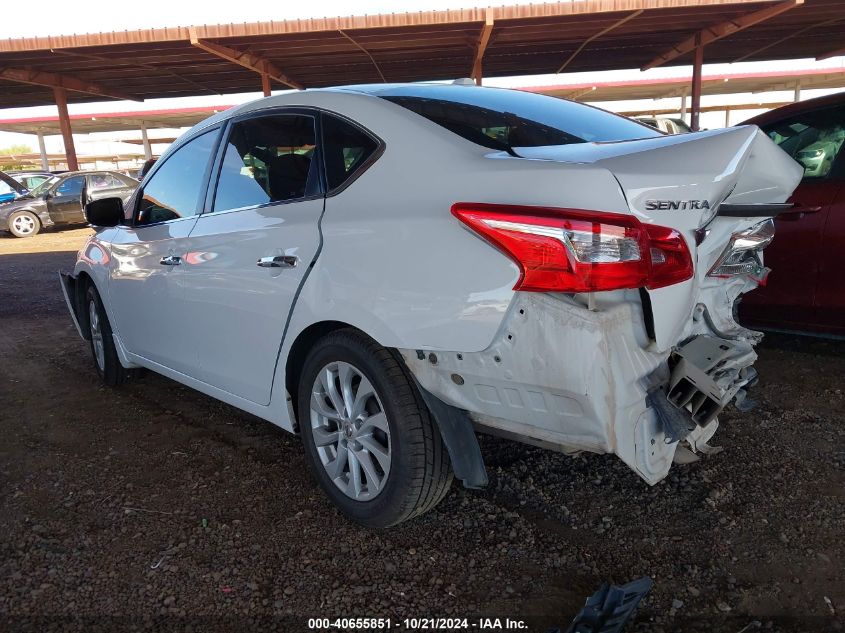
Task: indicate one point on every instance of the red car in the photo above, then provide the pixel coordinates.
(805, 291)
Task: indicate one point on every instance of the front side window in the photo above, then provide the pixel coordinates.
(175, 189)
(71, 187)
(507, 119)
(44, 186)
(346, 148)
(267, 159)
(813, 139)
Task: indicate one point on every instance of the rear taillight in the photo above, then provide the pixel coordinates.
(566, 250)
(742, 254)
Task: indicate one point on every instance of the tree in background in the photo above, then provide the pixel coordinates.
(15, 150)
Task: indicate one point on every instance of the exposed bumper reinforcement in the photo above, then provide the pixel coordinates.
(707, 372)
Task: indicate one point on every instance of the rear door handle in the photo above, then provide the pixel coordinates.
(278, 261)
(170, 260)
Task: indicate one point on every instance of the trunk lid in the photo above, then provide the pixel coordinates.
(679, 181)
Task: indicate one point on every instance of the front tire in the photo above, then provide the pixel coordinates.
(106, 361)
(371, 442)
(24, 224)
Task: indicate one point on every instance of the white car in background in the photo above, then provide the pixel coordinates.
(670, 126)
(387, 269)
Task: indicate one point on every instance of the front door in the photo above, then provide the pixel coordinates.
(250, 252)
(145, 291)
(65, 202)
(791, 297)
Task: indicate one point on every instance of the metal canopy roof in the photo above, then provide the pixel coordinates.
(112, 121)
(653, 88)
(581, 36)
(660, 88)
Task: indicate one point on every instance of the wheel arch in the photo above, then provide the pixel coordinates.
(455, 427)
(299, 349)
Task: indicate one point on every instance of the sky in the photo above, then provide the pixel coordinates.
(86, 16)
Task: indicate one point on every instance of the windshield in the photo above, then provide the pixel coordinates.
(504, 119)
(44, 186)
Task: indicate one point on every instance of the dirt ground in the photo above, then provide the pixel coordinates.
(155, 507)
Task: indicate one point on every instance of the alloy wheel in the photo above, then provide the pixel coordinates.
(350, 430)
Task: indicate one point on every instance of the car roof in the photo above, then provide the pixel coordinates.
(799, 107)
(86, 172)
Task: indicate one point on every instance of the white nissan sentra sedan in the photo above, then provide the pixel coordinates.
(388, 269)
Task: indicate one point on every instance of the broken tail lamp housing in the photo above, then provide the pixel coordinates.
(572, 250)
(742, 254)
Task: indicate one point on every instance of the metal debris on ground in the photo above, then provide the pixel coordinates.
(609, 609)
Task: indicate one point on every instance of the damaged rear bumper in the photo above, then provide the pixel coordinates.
(574, 379)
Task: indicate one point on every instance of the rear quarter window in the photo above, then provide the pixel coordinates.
(347, 149)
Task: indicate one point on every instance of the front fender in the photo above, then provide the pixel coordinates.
(43, 216)
(94, 262)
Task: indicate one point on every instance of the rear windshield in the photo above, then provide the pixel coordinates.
(504, 119)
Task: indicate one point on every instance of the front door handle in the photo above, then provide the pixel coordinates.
(170, 260)
(278, 261)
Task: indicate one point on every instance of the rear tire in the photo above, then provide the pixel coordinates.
(106, 361)
(389, 437)
(24, 224)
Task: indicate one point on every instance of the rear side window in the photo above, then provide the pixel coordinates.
(103, 181)
(267, 159)
(814, 139)
(173, 191)
(505, 119)
(346, 149)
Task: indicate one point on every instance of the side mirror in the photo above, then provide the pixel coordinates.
(104, 212)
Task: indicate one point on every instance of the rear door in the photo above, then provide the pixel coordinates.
(791, 298)
(65, 202)
(250, 251)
